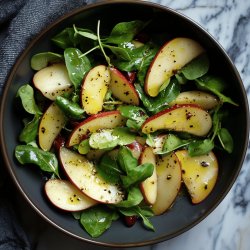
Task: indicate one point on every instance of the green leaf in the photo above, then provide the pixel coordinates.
(30, 130)
(97, 220)
(69, 38)
(140, 60)
(26, 93)
(125, 136)
(103, 139)
(181, 78)
(134, 198)
(83, 147)
(134, 173)
(137, 174)
(125, 31)
(64, 39)
(109, 169)
(172, 143)
(196, 68)
(214, 85)
(42, 60)
(126, 160)
(143, 212)
(85, 33)
(47, 161)
(77, 65)
(70, 109)
(119, 52)
(156, 104)
(200, 147)
(226, 140)
(136, 115)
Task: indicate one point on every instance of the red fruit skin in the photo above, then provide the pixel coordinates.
(131, 76)
(136, 148)
(59, 142)
(130, 220)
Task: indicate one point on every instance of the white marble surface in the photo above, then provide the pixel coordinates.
(228, 226)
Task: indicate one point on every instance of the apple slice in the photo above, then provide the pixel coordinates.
(182, 118)
(109, 119)
(122, 89)
(158, 143)
(53, 81)
(94, 88)
(203, 99)
(171, 57)
(83, 175)
(136, 149)
(199, 174)
(66, 196)
(53, 120)
(168, 171)
(149, 186)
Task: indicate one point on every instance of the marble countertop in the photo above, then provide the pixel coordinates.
(228, 226)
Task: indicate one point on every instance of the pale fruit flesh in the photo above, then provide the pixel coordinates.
(82, 173)
(122, 89)
(53, 81)
(168, 182)
(94, 89)
(66, 196)
(149, 186)
(52, 122)
(199, 174)
(180, 118)
(205, 100)
(109, 119)
(172, 56)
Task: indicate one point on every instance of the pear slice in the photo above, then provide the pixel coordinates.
(171, 57)
(53, 81)
(52, 121)
(181, 118)
(82, 173)
(94, 88)
(168, 171)
(199, 174)
(122, 89)
(149, 186)
(103, 120)
(66, 196)
(205, 100)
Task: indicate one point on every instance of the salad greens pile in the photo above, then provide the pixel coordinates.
(81, 49)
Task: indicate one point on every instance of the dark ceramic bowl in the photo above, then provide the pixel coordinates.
(183, 215)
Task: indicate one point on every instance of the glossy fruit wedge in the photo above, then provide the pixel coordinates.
(52, 121)
(168, 171)
(53, 81)
(122, 89)
(199, 174)
(149, 186)
(82, 173)
(203, 99)
(136, 149)
(171, 57)
(66, 196)
(109, 119)
(94, 88)
(182, 118)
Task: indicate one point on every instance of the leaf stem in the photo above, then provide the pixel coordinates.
(100, 44)
(89, 51)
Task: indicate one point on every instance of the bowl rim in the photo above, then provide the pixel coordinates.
(41, 34)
